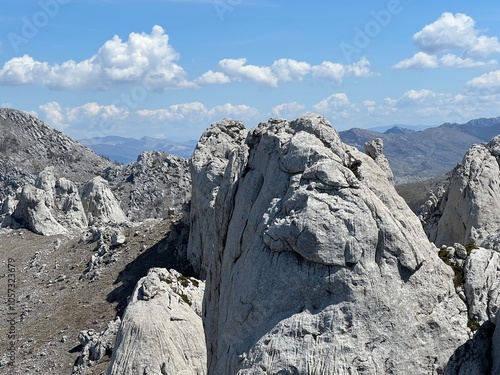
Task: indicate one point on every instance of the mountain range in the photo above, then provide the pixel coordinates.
(415, 152)
(418, 155)
(126, 150)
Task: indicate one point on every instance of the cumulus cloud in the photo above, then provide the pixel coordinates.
(146, 59)
(197, 111)
(426, 105)
(90, 113)
(238, 70)
(286, 70)
(451, 32)
(486, 83)
(422, 60)
(211, 77)
(287, 110)
(336, 105)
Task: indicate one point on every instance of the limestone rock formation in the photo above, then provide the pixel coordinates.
(482, 285)
(468, 212)
(62, 198)
(314, 264)
(156, 186)
(220, 144)
(95, 346)
(52, 206)
(32, 212)
(100, 204)
(375, 150)
(162, 331)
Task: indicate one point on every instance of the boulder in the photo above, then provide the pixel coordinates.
(31, 212)
(162, 331)
(100, 204)
(314, 264)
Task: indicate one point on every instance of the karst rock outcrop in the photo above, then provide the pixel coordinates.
(468, 211)
(162, 330)
(100, 204)
(313, 263)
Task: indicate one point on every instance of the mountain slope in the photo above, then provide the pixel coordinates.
(28, 145)
(428, 153)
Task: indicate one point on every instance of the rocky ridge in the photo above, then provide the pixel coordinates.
(28, 145)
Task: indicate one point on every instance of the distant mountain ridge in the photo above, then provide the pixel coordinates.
(427, 153)
(126, 150)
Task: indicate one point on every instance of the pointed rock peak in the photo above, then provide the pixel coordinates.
(100, 204)
(375, 150)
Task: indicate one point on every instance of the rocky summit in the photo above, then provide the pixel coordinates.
(275, 250)
(314, 264)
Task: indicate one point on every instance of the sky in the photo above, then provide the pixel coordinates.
(170, 68)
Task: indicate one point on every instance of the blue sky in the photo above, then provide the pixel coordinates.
(169, 68)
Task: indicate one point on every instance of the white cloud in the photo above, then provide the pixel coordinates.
(290, 70)
(337, 105)
(197, 111)
(489, 83)
(237, 70)
(91, 114)
(453, 61)
(211, 77)
(145, 59)
(233, 111)
(287, 110)
(287, 70)
(412, 107)
(149, 61)
(451, 32)
(422, 60)
(336, 72)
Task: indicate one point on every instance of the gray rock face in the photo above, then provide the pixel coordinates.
(62, 198)
(222, 143)
(162, 331)
(314, 263)
(52, 206)
(469, 208)
(156, 186)
(32, 212)
(95, 346)
(482, 285)
(100, 204)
